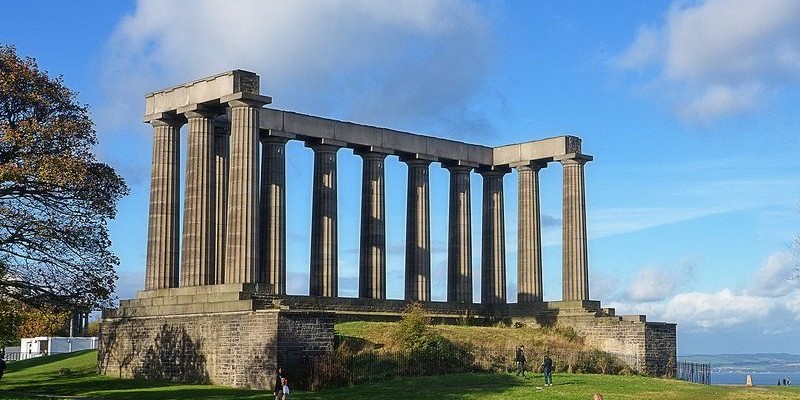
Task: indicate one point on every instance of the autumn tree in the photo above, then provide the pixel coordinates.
(55, 197)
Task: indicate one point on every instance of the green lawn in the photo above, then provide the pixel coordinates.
(42, 376)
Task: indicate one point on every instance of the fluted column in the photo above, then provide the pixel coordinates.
(197, 246)
(418, 232)
(241, 241)
(273, 212)
(575, 265)
(222, 136)
(459, 238)
(324, 240)
(372, 258)
(162, 231)
(493, 250)
(529, 236)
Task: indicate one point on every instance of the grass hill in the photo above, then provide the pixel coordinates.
(26, 379)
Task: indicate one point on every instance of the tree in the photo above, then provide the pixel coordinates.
(55, 197)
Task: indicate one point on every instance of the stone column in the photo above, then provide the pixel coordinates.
(197, 247)
(459, 238)
(529, 247)
(324, 240)
(241, 239)
(575, 263)
(222, 136)
(372, 258)
(418, 232)
(273, 213)
(493, 251)
(162, 231)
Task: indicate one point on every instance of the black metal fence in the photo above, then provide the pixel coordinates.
(694, 372)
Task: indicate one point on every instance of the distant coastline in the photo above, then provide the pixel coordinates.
(765, 368)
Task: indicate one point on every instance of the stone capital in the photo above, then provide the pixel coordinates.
(494, 171)
(271, 139)
(573, 158)
(372, 153)
(244, 99)
(165, 119)
(529, 166)
(325, 146)
(198, 111)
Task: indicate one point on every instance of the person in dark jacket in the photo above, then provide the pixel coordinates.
(278, 388)
(521, 359)
(547, 367)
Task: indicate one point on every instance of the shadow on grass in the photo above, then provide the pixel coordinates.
(44, 360)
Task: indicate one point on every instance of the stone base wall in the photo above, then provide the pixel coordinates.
(647, 347)
(231, 349)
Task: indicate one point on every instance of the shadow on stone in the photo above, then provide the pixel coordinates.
(175, 357)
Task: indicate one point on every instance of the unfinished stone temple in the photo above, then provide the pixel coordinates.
(219, 312)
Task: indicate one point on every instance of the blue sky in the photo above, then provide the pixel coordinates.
(689, 108)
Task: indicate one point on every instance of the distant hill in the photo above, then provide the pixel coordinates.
(760, 362)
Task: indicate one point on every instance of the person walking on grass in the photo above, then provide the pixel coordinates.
(284, 388)
(547, 367)
(278, 388)
(521, 359)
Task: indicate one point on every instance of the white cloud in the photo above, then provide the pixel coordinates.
(651, 284)
(377, 62)
(719, 57)
(793, 306)
(712, 310)
(773, 277)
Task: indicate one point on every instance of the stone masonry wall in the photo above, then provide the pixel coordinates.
(236, 349)
(233, 349)
(647, 347)
(301, 337)
(661, 354)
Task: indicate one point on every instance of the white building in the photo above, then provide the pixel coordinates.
(47, 345)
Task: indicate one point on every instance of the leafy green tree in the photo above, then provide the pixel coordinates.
(55, 197)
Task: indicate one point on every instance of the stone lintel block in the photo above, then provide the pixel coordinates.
(405, 142)
(271, 120)
(537, 150)
(358, 135)
(204, 90)
(307, 125)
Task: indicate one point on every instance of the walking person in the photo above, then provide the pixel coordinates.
(521, 359)
(284, 388)
(278, 388)
(547, 366)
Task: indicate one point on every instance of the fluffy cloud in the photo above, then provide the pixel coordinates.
(773, 277)
(398, 63)
(721, 309)
(719, 57)
(651, 284)
(767, 296)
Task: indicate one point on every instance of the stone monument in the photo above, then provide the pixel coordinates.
(215, 308)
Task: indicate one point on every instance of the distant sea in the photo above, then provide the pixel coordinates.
(759, 378)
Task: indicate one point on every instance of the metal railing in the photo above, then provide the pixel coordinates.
(21, 355)
(694, 372)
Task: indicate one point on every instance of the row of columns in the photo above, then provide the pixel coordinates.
(234, 227)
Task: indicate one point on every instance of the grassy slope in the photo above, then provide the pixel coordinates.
(41, 376)
(478, 336)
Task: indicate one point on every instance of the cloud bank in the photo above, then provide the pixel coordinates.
(401, 63)
(719, 58)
